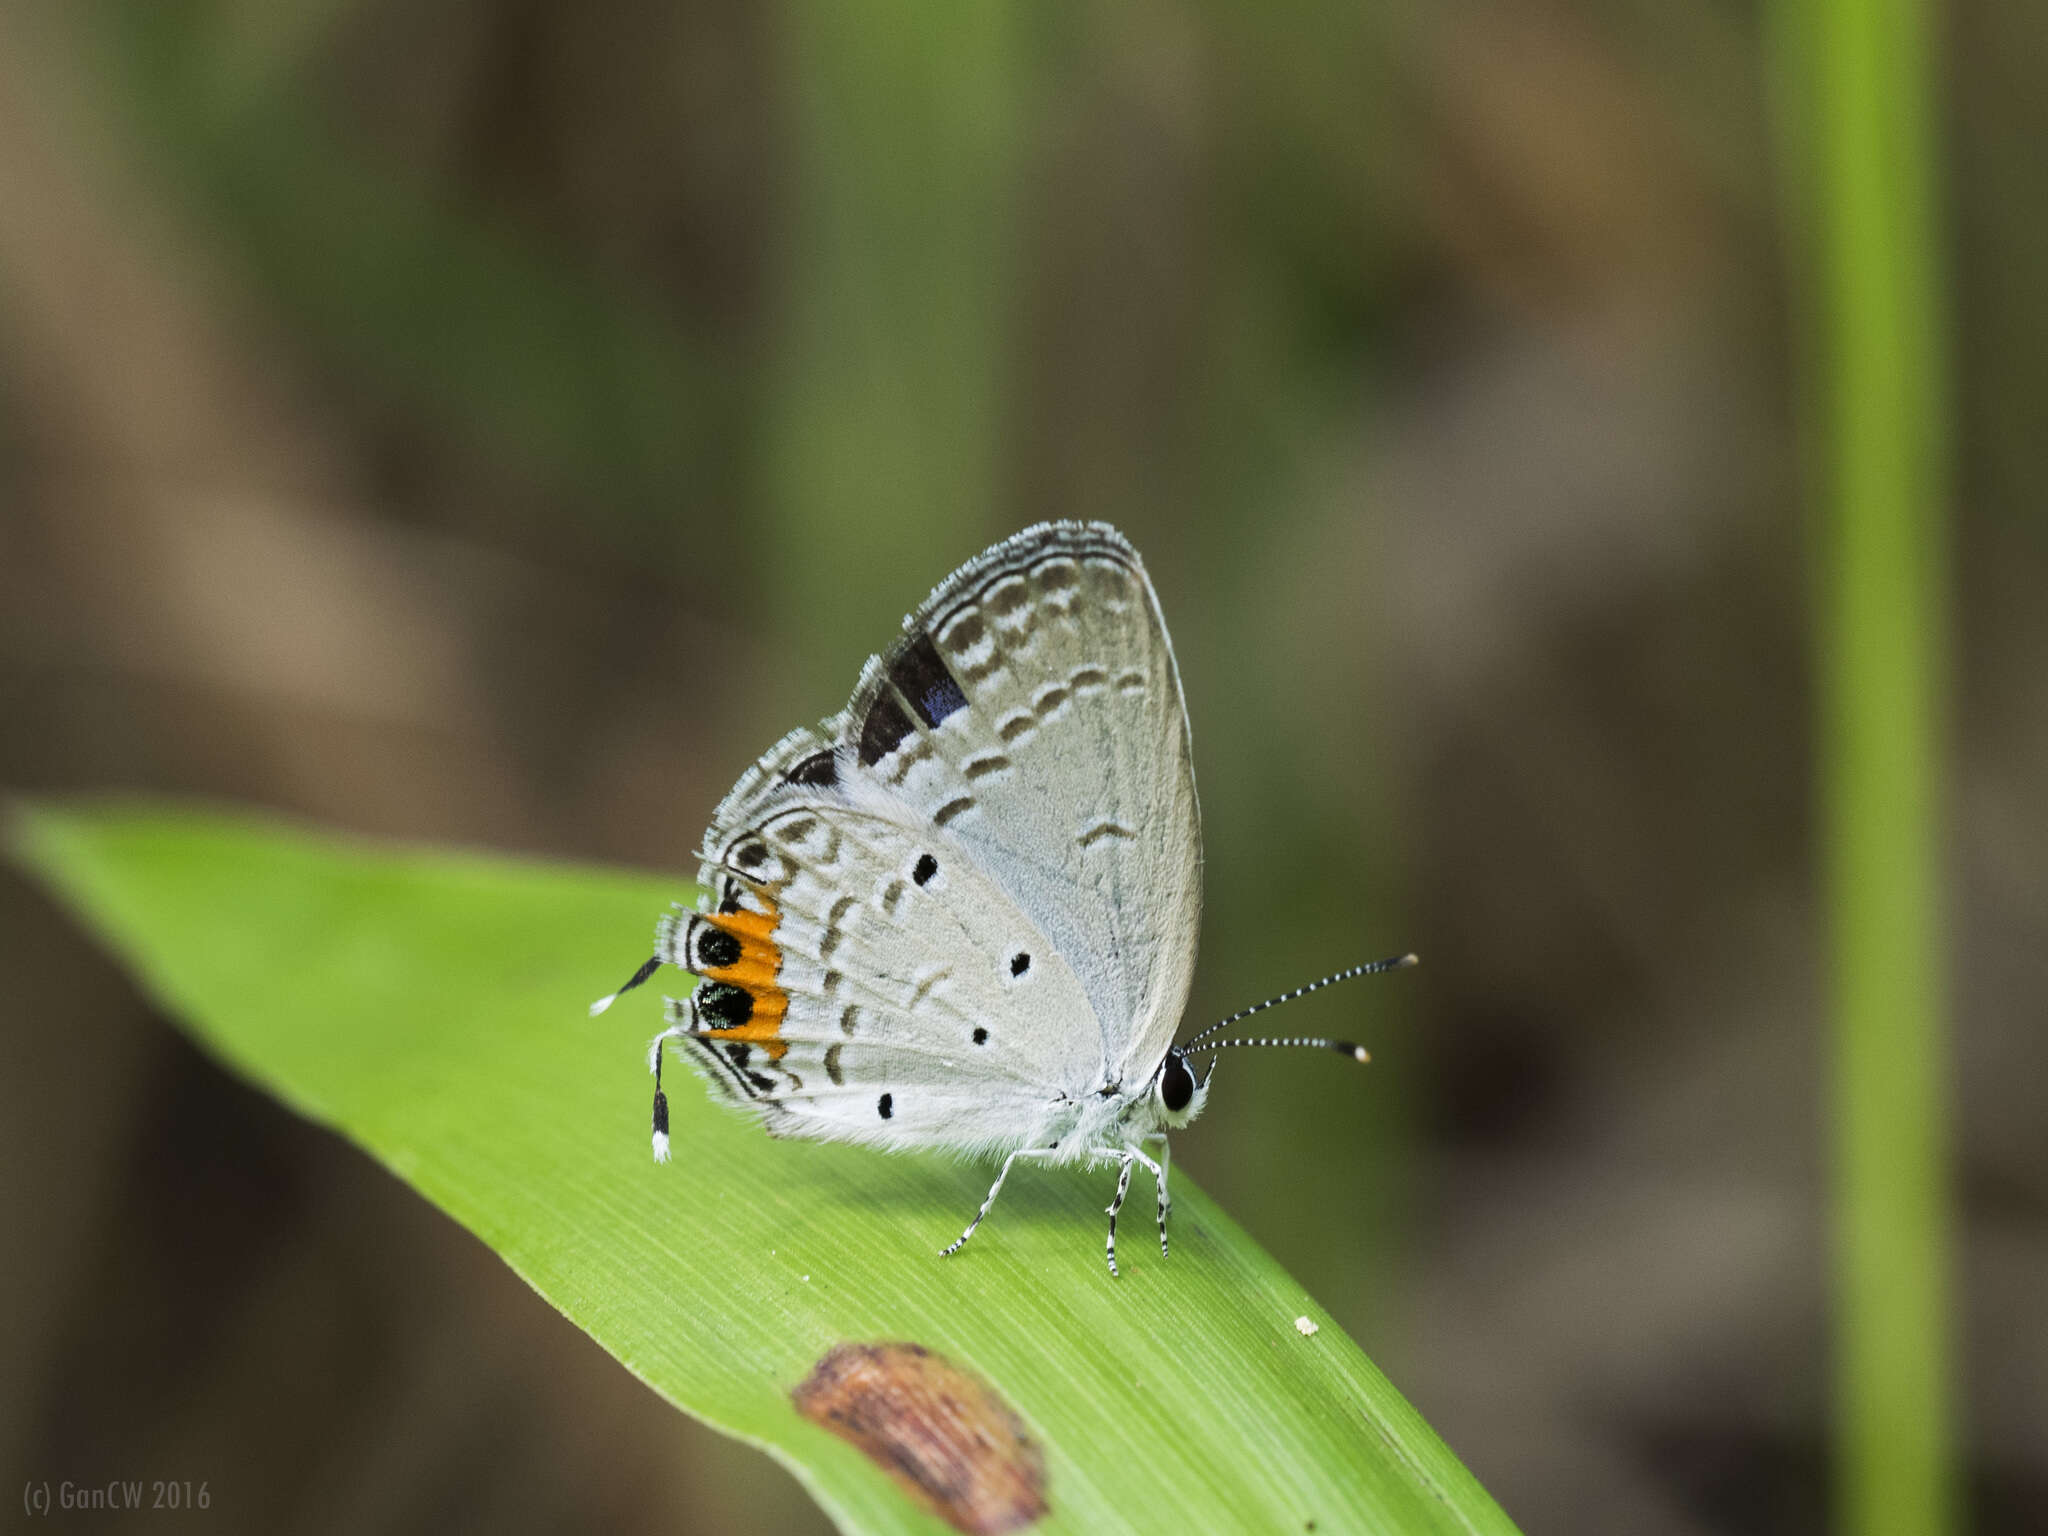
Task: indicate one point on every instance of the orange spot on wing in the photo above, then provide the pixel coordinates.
(759, 963)
(744, 925)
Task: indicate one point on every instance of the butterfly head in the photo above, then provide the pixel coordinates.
(1178, 1094)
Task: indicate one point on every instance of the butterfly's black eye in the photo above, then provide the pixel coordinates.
(1176, 1084)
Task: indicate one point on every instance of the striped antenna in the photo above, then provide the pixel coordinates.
(1341, 1047)
(1396, 963)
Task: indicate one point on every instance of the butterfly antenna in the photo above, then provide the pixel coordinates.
(653, 964)
(1395, 963)
(1341, 1047)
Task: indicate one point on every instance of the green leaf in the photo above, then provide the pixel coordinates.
(431, 1007)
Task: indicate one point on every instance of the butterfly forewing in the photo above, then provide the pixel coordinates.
(1034, 706)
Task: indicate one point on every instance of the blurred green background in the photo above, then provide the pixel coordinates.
(497, 422)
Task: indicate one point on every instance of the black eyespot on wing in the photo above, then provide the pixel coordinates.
(980, 1035)
(927, 866)
(716, 949)
(724, 1005)
(883, 730)
(1176, 1084)
(922, 678)
(820, 769)
(886, 1105)
(750, 855)
(1019, 963)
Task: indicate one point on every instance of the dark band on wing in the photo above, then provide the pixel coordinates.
(883, 730)
(913, 673)
(922, 678)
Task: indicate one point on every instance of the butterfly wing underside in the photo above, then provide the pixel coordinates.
(972, 895)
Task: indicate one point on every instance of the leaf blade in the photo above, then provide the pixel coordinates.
(430, 1006)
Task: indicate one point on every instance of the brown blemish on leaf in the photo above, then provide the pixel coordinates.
(941, 1432)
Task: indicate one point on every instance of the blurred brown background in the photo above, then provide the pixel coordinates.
(496, 422)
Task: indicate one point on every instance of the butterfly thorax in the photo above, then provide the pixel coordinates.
(1098, 1125)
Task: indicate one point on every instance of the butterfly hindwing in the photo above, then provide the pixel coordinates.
(852, 957)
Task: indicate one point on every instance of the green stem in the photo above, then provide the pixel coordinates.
(1865, 80)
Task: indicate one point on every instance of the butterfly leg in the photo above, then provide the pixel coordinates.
(1123, 1187)
(994, 1190)
(1159, 1171)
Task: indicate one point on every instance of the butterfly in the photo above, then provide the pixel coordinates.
(961, 914)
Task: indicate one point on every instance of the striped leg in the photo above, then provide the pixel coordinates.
(1159, 1171)
(1123, 1187)
(994, 1190)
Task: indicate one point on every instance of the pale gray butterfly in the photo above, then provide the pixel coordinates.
(961, 914)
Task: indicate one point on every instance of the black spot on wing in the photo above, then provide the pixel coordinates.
(820, 769)
(716, 949)
(922, 678)
(727, 1007)
(886, 1105)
